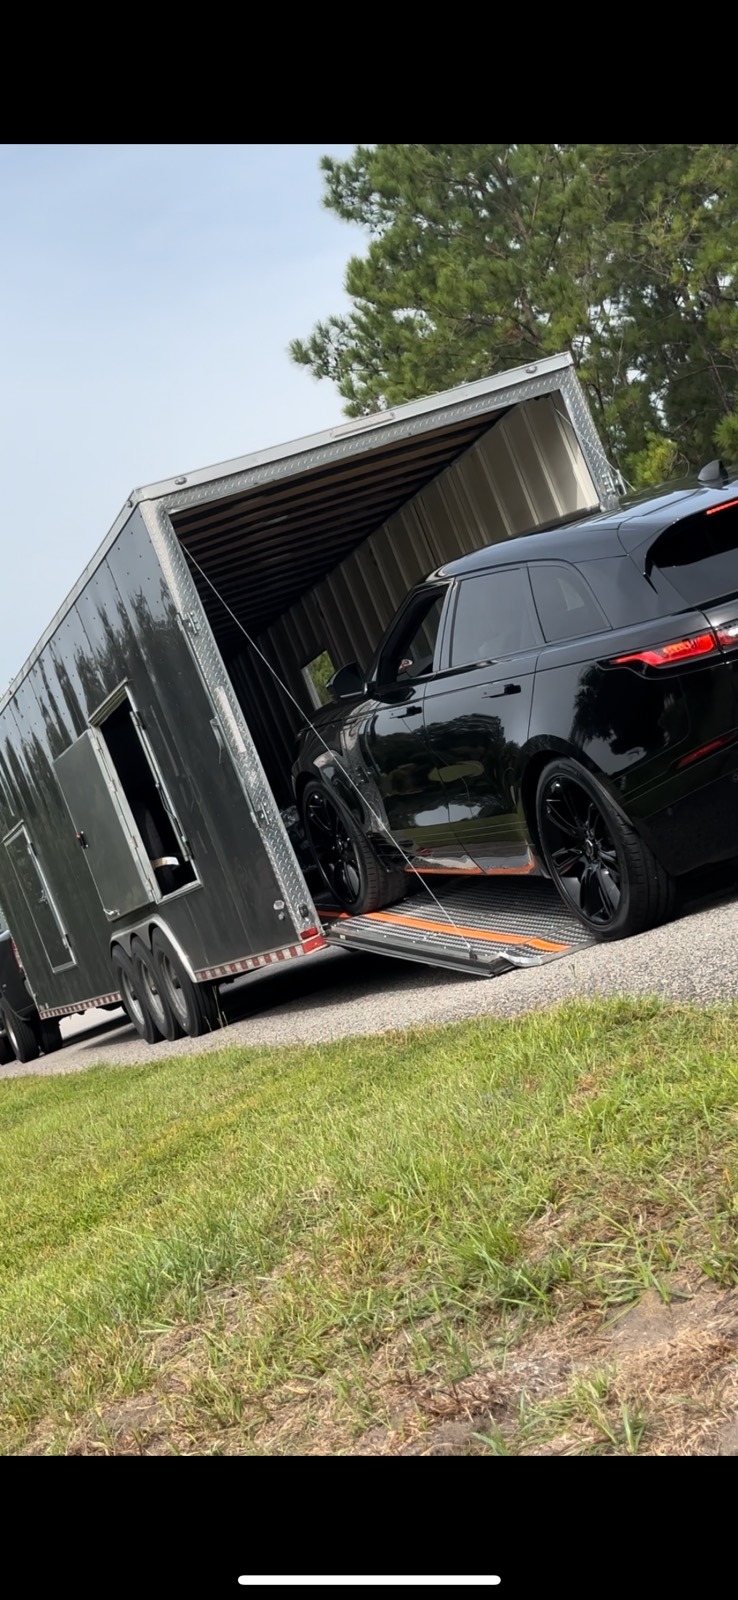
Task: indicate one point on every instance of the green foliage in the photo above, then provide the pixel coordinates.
(321, 670)
(484, 257)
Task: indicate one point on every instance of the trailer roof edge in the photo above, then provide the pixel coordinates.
(549, 367)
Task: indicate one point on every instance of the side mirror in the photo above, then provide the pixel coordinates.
(346, 682)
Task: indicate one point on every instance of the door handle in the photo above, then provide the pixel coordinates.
(502, 688)
(410, 711)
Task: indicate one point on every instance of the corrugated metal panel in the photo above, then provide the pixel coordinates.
(526, 471)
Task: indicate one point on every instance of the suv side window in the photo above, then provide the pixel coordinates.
(566, 607)
(494, 617)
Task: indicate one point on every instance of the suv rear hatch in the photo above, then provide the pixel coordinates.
(698, 557)
(693, 566)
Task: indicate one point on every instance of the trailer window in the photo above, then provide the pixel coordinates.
(163, 843)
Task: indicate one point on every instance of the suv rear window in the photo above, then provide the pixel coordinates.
(699, 555)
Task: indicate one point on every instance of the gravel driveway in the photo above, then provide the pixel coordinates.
(334, 995)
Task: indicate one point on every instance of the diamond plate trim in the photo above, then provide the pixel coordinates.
(263, 807)
(600, 470)
(556, 382)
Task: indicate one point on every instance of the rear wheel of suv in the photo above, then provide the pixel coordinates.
(603, 871)
(348, 866)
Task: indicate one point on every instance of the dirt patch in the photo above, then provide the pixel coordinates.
(659, 1379)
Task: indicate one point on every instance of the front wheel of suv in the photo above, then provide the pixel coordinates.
(603, 871)
(348, 866)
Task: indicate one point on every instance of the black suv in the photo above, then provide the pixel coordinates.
(564, 703)
(23, 1033)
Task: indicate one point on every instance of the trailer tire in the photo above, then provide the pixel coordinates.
(344, 857)
(6, 1050)
(49, 1035)
(193, 1005)
(148, 983)
(133, 1003)
(21, 1035)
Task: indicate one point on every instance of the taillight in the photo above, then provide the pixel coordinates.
(723, 507)
(727, 635)
(669, 655)
(16, 953)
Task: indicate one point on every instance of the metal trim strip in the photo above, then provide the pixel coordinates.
(80, 1005)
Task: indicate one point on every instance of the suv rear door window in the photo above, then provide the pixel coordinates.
(493, 617)
(566, 607)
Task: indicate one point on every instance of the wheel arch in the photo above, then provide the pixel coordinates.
(334, 779)
(536, 758)
(144, 931)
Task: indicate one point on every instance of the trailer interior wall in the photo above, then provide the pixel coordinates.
(526, 470)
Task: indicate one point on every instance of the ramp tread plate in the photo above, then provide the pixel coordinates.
(505, 924)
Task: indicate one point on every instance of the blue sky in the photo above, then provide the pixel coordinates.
(148, 294)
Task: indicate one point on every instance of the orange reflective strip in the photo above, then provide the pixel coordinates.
(470, 872)
(465, 933)
(510, 872)
(446, 872)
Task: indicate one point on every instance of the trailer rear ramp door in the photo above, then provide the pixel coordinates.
(485, 928)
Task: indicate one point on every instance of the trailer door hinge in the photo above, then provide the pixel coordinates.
(191, 623)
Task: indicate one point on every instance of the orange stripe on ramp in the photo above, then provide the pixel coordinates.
(465, 933)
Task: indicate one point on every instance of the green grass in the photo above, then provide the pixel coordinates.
(384, 1208)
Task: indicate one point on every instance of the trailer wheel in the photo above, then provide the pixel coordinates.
(21, 1036)
(49, 1035)
(134, 1004)
(149, 986)
(192, 1004)
(345, 858)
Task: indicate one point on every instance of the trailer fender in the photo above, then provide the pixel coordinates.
(144, 932)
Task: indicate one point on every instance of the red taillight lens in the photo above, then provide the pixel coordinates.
(16, 953)
(669, 655)
(723, 507)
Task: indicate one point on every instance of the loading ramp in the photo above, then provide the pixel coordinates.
(483, 928)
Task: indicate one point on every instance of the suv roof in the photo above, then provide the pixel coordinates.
(604, 533)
